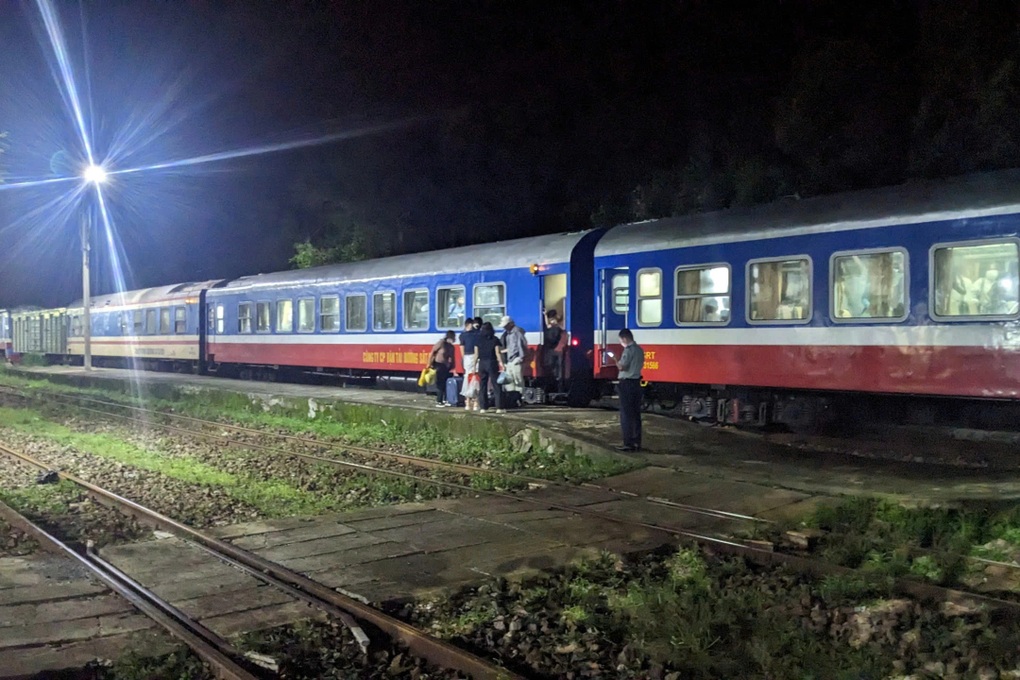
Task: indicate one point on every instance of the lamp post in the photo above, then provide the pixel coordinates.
(94, 175)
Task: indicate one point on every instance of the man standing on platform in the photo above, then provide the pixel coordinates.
(630, 364)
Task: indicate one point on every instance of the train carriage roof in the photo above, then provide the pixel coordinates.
(176, 292)
(992, 193)
(523, 252)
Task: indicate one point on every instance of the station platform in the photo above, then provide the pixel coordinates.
(896, 464)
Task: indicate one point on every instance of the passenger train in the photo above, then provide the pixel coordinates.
(902, 299)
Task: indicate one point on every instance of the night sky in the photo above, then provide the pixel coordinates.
(502, 119)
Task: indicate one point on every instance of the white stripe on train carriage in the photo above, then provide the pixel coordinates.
(377, 338)
(999, 336)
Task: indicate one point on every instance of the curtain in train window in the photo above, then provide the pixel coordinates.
(164, 321)
(262, 311)
(137, 322)
(329, 314)
(490, 302)
(180, 320)
(780, 290)
(976, 280)
(621, 293)
(243, 319)
(703, 294)
(284, 316)
(357, 312)
(384, 311)
(649, 307)
(150, 321)
(869, 286)
(416, 310)
(451, 310)
(306, 315)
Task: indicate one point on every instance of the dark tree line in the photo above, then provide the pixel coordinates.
(565, 117)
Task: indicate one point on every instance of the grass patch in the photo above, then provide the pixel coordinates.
(178, 665)
(41, 499)
(273, 498)
(678, 616)
(931, 544)
(450, 437)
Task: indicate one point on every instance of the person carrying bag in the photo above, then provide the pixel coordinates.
(442, 360)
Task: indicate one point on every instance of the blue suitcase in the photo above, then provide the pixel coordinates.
(453, 385)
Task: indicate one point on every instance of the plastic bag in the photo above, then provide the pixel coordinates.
(503, 378)
(470, 389)
(427, 377)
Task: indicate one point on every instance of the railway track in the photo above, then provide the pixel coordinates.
(719, 543)
(203, 428)
(225, 661)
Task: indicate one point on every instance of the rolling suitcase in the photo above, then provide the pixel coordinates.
(453, 385)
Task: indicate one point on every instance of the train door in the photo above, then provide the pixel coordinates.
(613, 305)
(554, 293)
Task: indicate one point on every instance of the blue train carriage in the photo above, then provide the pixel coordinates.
(153, 328)
(5, 334)
(381, 317)
(764, 314)
(39, 332)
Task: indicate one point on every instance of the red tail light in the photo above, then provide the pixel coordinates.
(575, 342)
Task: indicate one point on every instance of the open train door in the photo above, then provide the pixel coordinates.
(613, 305)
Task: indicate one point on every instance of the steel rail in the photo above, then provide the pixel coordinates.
(206, 644)
(439, 652)
(725, 545)
(419, 461)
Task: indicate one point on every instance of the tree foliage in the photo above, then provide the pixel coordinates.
(573, 119)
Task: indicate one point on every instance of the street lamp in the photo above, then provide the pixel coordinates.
(95, 175)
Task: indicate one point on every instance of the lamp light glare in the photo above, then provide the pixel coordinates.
(94, 174)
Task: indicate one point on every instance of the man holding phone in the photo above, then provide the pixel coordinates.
(630, 363)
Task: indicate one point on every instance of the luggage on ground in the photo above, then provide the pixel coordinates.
(453, 384)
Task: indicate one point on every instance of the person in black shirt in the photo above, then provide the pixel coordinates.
(468, 340)
(554, 342)
(489, 365)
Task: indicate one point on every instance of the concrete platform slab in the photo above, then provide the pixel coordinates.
(59, 657)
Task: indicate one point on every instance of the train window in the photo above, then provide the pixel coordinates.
(416, 310)
(125, 322)
(357, 312)
(649, 306)
(384, 311)
(262, 311)
(975, 279)
(243, 318)
(164, 321)
(869, 285)
(221, 318)
(284, 316)
(137, 322)
(490, 302)
(306, 315)
(621, 293)
(180, 320)
(779, 290)
(450, 308)
(703, 294)
(150, 321)
(329, 314)
(76, 325)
